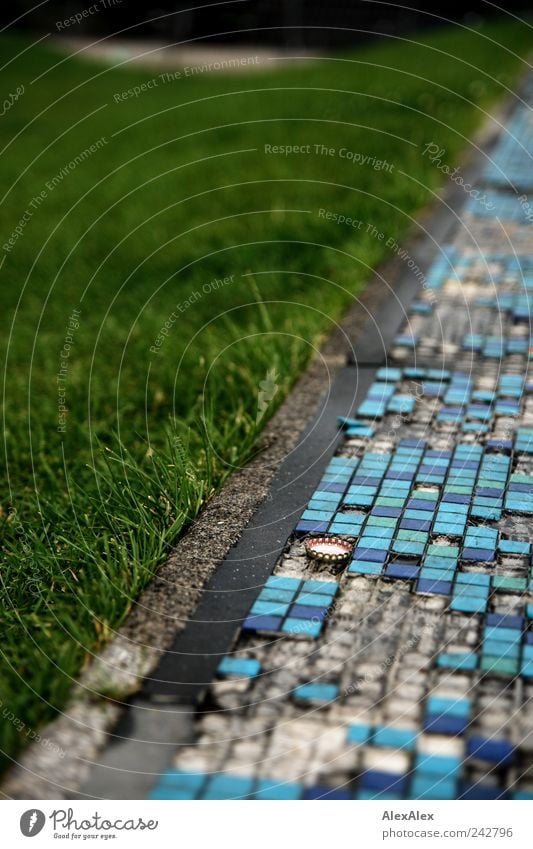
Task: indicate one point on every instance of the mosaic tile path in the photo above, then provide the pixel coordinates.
(407, 673)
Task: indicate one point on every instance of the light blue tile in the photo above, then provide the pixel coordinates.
(316, 692)
(437, 574)
(509, 546)
(450, 707)
(271, 594)
(269, 608)
(302, 627)
(431, 787)
(469, 604)
(395, 738)
(283, 583)
(228, 787)
(365, 567)
(317, 515)
(311, 599)
(495, 648)
(320, 587)
(438, 765)
(275, 789)
(473, 578)
(240, 667)
(359, 733)
(458, 660)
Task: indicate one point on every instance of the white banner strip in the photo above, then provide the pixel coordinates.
(256, 825)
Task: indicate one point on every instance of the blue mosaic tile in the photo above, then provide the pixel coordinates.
(526, 670)
(176, 784)
(473, 791)
(433, 787)
(452, 707)
(301, 627)
(447, 716)
(368, 554)
(392, 375)
(370, 795)
(276, 582)
(505, 621)
(499, 666)
(494, 648)
(468, 604)
(365, 567)
(404, 340)
(401, 404)
(290, 606)
(437, 765)
(437, 587)
(458, 660)
(270, 789)
(408, 547)
(383, 782)
(452, 725)
(273, 594)
(415, 525)
(478, 554)
(228, 787)
(326, 793)
(395, 570)
(239, 667)
(521, 795)
(262, 623)
(313, 599)
(359, 733)
(394, 738)
(300, 611)
(316, 692)
(166, 792)
(320, 587)
(312, 527)
(269, 608)
(392, 512)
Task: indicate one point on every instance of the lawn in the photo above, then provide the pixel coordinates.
(163, 252)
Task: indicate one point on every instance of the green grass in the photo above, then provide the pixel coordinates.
(183, 193)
